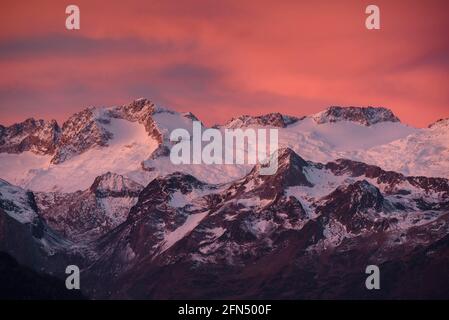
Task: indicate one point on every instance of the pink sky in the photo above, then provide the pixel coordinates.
(220, 59)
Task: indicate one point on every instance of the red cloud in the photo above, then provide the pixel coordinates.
(231, 57)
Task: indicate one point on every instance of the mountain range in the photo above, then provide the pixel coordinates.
(354, 187)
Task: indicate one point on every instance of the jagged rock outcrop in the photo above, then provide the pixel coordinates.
(367, 116)
(38, 136)
(271, 119)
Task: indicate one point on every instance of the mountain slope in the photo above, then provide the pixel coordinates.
(287, 235)
(236, 235)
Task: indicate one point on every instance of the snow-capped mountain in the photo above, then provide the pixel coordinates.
(133, 140)
(354, 186)
(184, 230)
(93, 142)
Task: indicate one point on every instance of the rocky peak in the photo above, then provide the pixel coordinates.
(176, 181)
(364, 115)
(140, 110)
(288, 159)
(82, 131)
(112, 184)
(289, 163)
(159, 191)
(137, 110)
(290, 172)
(38, 136)
(271, 119)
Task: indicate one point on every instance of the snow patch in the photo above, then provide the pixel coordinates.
(191, 222)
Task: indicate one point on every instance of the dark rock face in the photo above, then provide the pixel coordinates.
(161, 151)
(159, 191)
(367, 116)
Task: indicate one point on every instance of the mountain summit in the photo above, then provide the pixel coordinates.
(274, 119)
(367, 116)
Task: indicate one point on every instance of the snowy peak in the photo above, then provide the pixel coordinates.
(38, 136)
(271, 119)
(137, 110)
(364, 115)
(290, 172)
(160, 190)
(290, 164)
(82, 131)
(288, 158)
(142, 111)
(158, 121)
(115, 185)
